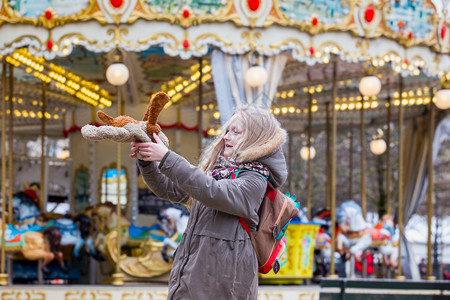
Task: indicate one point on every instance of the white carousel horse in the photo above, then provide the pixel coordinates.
(388, 249)
(355, 232)
(173, 220)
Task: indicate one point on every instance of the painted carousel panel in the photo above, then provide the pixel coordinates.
(200, 8)
(410, 18)
(329, 12)
(35, 8)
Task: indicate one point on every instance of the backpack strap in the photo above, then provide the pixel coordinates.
(271, 192)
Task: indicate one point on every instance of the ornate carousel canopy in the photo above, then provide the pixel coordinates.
(355, 30)
(69, 45)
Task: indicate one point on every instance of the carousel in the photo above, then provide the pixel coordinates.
(361, 87)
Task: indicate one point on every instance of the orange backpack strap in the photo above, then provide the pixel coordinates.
(271, 192)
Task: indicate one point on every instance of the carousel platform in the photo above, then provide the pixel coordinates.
(329, 289)
(148, 292)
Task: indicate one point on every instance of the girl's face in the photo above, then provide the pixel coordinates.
(232, 137)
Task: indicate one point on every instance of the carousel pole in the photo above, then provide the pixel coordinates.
(430, 187)
(43, 110)
(200, 111)
(118, 276)
(10, 142)
(333, 170)
(290, 160)
(388, 157)
(327, 195)
(350, 166)
(400, 180)
(363, 159)
(117, 74)
(308, 185)
(3, 275)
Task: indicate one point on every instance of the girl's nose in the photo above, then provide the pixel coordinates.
(226, 136)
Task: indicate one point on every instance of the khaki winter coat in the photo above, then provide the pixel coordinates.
(215, 259)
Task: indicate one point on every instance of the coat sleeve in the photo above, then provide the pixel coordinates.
(240, 197)
(162, 186)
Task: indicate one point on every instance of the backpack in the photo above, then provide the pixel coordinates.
(275, 213)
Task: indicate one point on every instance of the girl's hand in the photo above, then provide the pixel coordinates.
(149, 151)
(134, 149)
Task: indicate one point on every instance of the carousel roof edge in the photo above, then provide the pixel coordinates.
(409, 32)
(409, 23)
(198, 40)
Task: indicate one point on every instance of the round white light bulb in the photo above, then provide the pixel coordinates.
(443, 99)
(370, 86)
(117, 74)
(378, 146)
(256, 76)
(304, 152)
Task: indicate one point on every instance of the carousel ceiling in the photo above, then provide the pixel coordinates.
(74, 43)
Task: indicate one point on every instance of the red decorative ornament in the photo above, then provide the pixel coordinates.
(186, 44)
(186, 13)
(179, 126)
(369, 14)
(410, 35)
(443, 31)
(314, 21)
(253, 4)
(311, 50)
(406, 62)
(48, 14)
(116, 3)
(49, 44)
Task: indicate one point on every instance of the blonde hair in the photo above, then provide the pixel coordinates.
(259, 127)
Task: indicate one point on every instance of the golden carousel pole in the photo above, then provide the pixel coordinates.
(333, 169)
(43, 110)
(350, 165)
(388, 157)
(308, 185)
(363, 159)
(118, 276)
(430, 188)
(117, 74)
(3, 276)
(10, 142)
(200, 111)
(290, 160)
(400, 179)
(327, 195)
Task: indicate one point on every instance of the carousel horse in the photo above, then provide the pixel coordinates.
(25, 209)
(388, 249)
(354, 233)
(29, 217)
(173, 220)
(104, 219)
(154, 258)
(84, 225)
(34, 245)
(74, 232)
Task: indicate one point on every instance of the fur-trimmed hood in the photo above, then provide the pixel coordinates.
(271, 155)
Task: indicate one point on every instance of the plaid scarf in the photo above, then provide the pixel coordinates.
(225, 167)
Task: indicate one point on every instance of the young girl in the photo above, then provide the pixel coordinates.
(215, 259)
